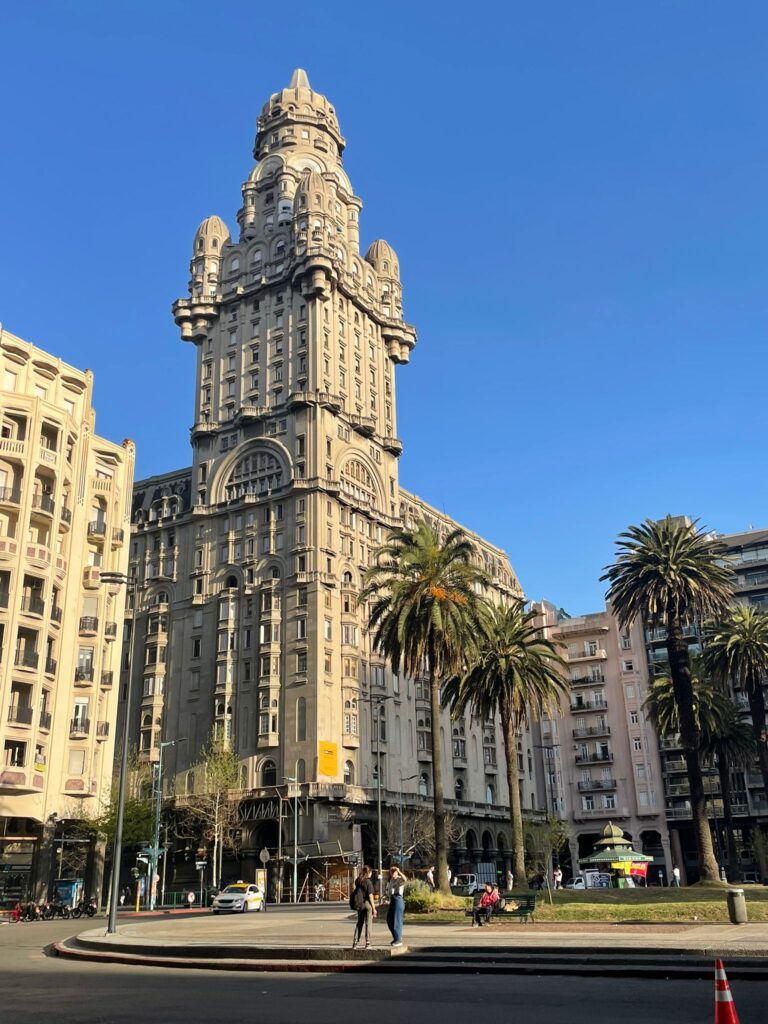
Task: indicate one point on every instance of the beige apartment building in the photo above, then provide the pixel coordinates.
(248, 563)
(64, 512)
(600, 754)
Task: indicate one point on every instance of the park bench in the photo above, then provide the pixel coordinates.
(510, 905)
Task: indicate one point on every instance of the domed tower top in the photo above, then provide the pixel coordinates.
(297, 107)
(383, 259)
(211, 236)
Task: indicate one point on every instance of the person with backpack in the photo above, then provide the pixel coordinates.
(362, 902)
(396, 910)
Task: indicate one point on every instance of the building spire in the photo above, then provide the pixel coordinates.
(299, 80)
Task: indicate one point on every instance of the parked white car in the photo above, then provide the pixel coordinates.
(575, 883)
(240, 897)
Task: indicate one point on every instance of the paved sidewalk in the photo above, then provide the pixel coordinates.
(332, 926)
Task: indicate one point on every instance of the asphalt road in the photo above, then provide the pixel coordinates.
(36, 988)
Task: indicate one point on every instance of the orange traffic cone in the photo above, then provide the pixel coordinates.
(725, 1010)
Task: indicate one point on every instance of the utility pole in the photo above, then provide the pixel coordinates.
(158, 810)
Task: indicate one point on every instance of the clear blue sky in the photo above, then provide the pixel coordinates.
(577, 192)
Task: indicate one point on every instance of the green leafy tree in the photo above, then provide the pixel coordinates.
(737, 654)
(724, 739)
(424, 616)
(668, 573)
(518, 674)
(211, 807)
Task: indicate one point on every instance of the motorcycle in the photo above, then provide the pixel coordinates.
(87, 907)
(55, 909)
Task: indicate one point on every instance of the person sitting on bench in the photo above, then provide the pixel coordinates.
(484, 910)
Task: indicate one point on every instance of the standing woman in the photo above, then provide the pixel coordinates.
(362, 902)
(396, 910)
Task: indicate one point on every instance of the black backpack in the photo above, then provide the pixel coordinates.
(358, 899)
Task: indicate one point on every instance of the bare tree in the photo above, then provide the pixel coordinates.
(211, 806)
(418, 832)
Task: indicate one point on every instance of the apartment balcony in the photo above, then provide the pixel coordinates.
(10, 496)
(598, 757)
(107, 678)
(597, 784)
(588, 624)
(424, 756)
(590, 705)
(330, 401)
(754, 779)
(459, 761)
(56, 614)
(91, 577)
(101, 485)
(26, 659)
(89, 625)
(50, 666)
(102, 731)
(18, 715)
(66, 516)
(676, 765)
(42, 502)
(118, 536)
(711, 787)
(597, 655)
(587, 680)
(32, 605)
(38, 555)
(365, 425)
(296, 399)
(670, 743)
(8, 549)
(592, 730)
(79, 728)
(45, 720)
(97, 530)
(606, 813)
(393, 445)
(110, 630)
(84, 675)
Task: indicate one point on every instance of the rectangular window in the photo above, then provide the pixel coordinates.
(328, 630)
(301, 629)
(301, 662)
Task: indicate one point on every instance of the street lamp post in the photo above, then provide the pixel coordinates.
(379, 702)
(295, 781)
(119, 579)
(155, 856)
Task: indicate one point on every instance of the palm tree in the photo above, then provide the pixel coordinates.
(723, 738)
(518, 673)
(737, 654)
(668, 573)
(425, 614)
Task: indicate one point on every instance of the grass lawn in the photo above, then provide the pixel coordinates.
(684, 905)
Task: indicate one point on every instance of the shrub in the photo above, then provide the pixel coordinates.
(419, 899)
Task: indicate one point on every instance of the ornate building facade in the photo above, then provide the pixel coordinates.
(65, 499)
(248, 563)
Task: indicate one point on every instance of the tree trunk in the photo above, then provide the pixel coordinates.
(680, 673)
(757, 712)
(515, 810)
(724, 772)
(441, 861)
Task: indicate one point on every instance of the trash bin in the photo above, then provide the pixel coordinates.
(737, 906)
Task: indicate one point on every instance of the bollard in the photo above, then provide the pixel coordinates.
(737, 906)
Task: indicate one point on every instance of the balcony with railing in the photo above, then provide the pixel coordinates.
(118, 536)
(20, 715)
(587, 680)
(676, 765)
(10, 496)
(66, 516)
(45, 720)
(106, 679)
(592, 730)
(79, 728)
(110, 630)
(596, 757)
(50, 666)
(12, 446)
(31, 604)
(84, 675)
(591, 785)
(26, 658)
(590, 705)
(589, 654)
(56, 614)
(89, 625)
(97, 530)
(42, 501)
(102, 731)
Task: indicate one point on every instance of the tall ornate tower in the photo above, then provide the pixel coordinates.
(249, 563)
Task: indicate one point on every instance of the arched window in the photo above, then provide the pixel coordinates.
(358, 483)
(200, 245)
(254, 473)
(161, 597)
(458, 788)
(301, 719)
(301, 770)
(231, 582)
(349, 773)
(347, 579)
(275, 573)
(268, 774)
(490, 794)
(214, 243)
(424, 784)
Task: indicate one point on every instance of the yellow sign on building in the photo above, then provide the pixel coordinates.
(327, 758)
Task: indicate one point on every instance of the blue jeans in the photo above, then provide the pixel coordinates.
(395, 917)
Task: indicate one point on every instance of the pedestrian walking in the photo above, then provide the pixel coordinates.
(676, 876)
(362, 901)
(430, 876)
(396, 910)
(557, 876)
